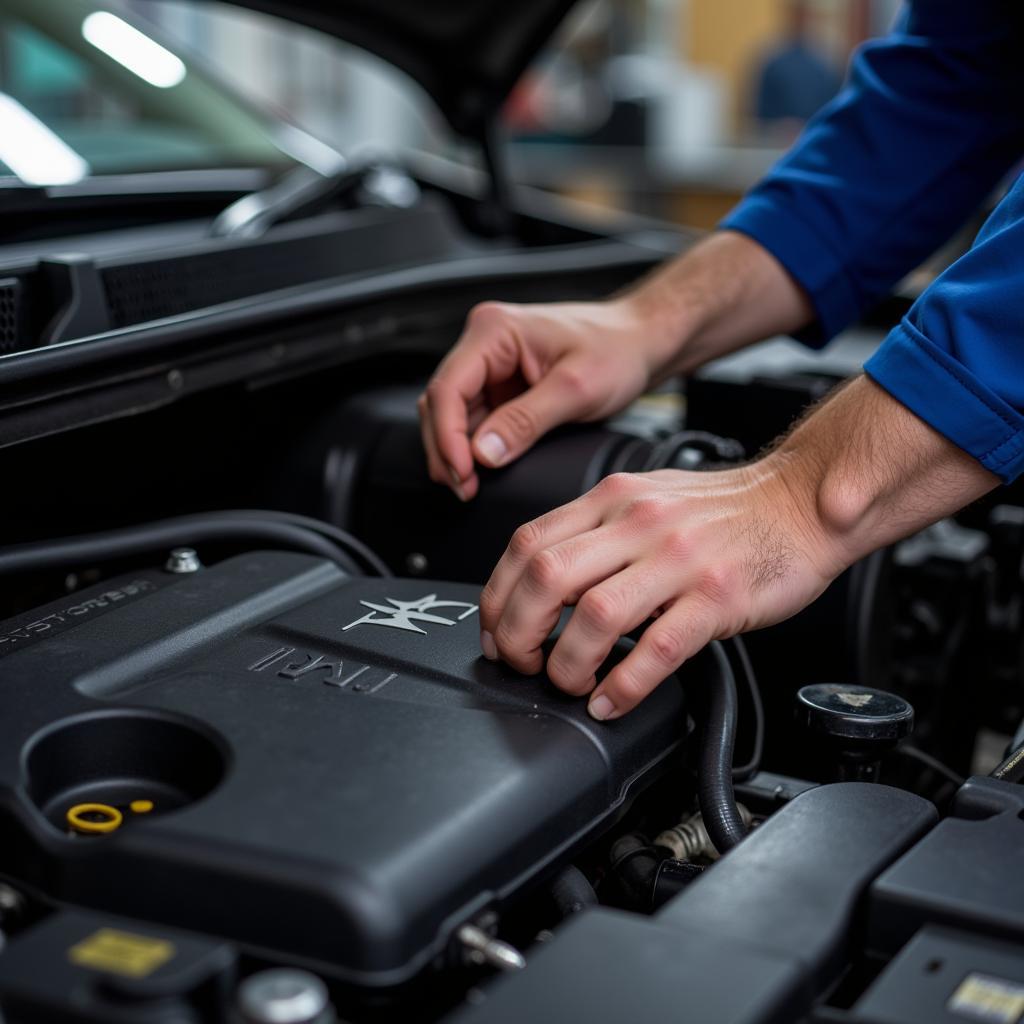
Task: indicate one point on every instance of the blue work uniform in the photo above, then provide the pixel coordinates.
(929, 123)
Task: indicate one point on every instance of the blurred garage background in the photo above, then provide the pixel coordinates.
(667, 107)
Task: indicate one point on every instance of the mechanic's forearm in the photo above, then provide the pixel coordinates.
(872, 472)
(723, 294)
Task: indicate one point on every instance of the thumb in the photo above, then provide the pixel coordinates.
(516, 425)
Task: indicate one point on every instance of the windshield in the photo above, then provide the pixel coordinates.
(83, 91)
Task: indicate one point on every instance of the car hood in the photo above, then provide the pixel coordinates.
(466, 53)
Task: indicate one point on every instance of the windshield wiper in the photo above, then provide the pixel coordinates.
(303, 191)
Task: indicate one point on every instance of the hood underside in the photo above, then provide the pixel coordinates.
(467, 54)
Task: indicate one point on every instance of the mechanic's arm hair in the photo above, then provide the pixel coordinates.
(878, 471)
(725, 293)
(710, 555)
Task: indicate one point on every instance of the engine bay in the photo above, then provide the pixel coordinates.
(255, 765)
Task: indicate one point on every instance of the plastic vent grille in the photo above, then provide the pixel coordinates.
(161, 288)
(214, 272)
(10, 315)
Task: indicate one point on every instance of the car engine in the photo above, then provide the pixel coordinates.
(250, 775)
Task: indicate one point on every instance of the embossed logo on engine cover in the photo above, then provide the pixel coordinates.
(290, 663)
(405, 614)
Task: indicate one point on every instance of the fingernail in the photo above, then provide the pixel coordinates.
(601, 708)
(487, 646)
(493, 449)
(456, 484)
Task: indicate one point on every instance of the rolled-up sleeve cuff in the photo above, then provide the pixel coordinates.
(807, 257)
(943, 393)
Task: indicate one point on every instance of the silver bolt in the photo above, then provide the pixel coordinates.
(482, 948)
(284, 995)
(183, 560)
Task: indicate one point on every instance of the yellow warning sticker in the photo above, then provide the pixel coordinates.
(121, 953)
(982, 997)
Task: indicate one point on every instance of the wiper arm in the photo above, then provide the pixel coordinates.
(303, 191)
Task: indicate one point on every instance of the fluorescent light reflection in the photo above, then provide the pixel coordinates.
(32, 151)
(133, 50)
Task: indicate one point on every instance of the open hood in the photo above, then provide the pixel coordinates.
(466, 53)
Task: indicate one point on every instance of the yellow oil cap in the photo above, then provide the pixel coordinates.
(101, 818)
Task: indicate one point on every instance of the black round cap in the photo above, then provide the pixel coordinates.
(857, 713)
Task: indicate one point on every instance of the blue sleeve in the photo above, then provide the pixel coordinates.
(931, 119)
(957, 358)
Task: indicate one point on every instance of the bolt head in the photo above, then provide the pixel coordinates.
(183, 560)
(282, 995)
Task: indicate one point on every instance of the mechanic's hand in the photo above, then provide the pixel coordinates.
(519, 370)
(707, 555)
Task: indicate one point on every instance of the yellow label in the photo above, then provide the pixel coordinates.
(982, 997)
(121, 953)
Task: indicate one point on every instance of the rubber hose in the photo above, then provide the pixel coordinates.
(634, 864)
(718, 738)
(168, 533)
(348, 542)
(572, 892)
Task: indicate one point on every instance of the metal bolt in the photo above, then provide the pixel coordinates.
(183, 560)
(284, 995)
(481, 948)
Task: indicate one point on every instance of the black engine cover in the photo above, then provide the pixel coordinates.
(336, 774)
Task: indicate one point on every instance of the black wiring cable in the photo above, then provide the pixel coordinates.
(718, 738)
(189, 530)
(923, 757)
(737, 651)
(345, 540)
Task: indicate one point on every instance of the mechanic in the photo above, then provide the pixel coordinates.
(929, 123)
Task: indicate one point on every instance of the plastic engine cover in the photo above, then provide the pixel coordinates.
(334, 771)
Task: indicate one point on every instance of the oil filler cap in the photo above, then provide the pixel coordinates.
(854, 726)
(856, 713)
